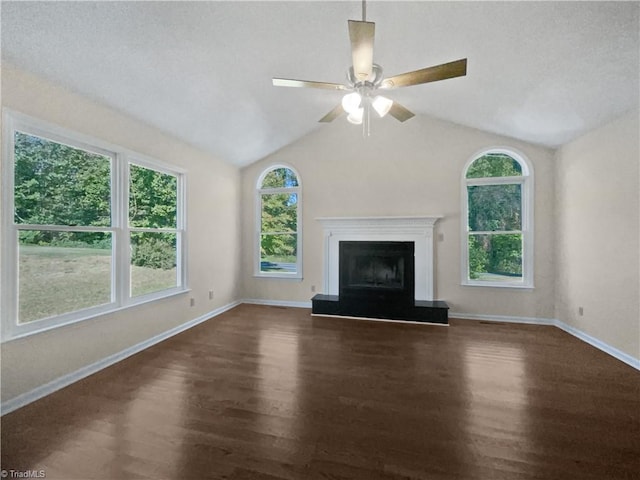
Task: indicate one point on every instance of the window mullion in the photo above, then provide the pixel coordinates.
(8, 235)
(293, 232)
(153, 230)
(288, 190)
(120, 214)
(181, 225)
(472, 182)
(495, 232)
(62, 228)
(299, 234)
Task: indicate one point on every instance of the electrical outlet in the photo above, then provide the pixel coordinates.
(210, 294)
(441, 237)
(192, 302)
(313, 288)
(580, 311)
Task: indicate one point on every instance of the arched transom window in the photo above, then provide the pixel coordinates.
(498, 221)
(279, 238)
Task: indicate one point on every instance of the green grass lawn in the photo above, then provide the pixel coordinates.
(56, 280)
(279, 258)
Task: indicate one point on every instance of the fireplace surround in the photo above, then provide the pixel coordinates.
(380, 247)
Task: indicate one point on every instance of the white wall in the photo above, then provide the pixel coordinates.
(213, 239)
(598, 234)
(413, 168)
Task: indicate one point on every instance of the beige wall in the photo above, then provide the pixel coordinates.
(413, 168)
(598, 234)
(402, 169)
(213, 239)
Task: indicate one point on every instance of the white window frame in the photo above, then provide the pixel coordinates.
(527, 189)
(119, 229)
(258, 222)
(179, 230)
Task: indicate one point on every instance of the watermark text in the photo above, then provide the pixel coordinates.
(22, 473)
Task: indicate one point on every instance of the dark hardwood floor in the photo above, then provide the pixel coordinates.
(268, 393)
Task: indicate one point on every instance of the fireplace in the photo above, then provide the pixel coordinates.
(379, 268)
(377, 271)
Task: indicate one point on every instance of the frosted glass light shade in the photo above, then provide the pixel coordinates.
(351, 102)
(381, 105)
(355, 117)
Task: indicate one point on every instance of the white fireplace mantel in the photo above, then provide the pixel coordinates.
(390, 229)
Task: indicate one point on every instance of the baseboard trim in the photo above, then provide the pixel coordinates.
(66, 380)
(503, 318)
(276, 303)
(585, 337)
(599, 344)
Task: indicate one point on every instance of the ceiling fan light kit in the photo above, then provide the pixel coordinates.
(356, 116)
(364, 78)
(351, 102)
(381, 105)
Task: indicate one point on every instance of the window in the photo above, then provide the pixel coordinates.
(279, 239)
(153, 230)
(498, 221)
(71, 250)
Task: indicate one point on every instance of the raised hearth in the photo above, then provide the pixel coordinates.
(418, 311)
(380, 267)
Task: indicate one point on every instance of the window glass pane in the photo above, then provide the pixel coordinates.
(152, 198)
(495, 257)
(279, 178)
(60, 185)
(153, 262)
(279, 213)
(62, 272)
(494, 165)
(278, 253)
(495, 207)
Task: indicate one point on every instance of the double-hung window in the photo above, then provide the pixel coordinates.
(279, 238)
(154, 235)
(498, 221)
(87, 227)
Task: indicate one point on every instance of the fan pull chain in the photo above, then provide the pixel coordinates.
(364, 10)
(366, 120)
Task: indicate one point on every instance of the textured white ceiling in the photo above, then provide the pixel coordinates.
(543, 72)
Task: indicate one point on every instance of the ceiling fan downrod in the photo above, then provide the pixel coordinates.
(365, 78)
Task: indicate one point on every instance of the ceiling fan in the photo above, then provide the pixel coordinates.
(365, 78)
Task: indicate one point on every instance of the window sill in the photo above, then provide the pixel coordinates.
(282, 276)
(30, 329)
(498, 285)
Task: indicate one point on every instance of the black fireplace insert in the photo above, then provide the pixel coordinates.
(377, 271)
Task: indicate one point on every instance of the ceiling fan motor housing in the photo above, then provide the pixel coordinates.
(372, 82)
(369, 78)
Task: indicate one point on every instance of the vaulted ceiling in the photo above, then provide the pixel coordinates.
(543, 72)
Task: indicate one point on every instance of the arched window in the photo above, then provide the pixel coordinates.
(279, 233)
(498, 220)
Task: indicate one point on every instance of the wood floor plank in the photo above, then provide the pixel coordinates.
(271, 393)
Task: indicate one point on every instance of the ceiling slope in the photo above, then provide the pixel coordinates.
(542, 72)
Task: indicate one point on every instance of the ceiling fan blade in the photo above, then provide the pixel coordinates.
(400, 113)
(333, 114)
(426, 75)
(288, 82)
(361, 35)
